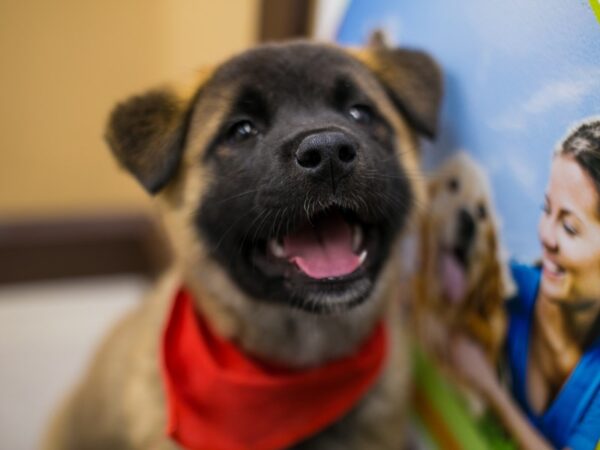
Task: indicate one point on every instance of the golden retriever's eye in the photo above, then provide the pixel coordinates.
(481, 211)
(453, 185)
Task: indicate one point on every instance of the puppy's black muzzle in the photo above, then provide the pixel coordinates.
(327, 156)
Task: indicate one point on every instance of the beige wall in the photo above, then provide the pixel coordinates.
(64, 65)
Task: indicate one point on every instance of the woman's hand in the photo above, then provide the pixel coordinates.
(470, 362)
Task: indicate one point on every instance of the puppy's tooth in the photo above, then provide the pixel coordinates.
(362, 257)
(357, 237)
(276, 248)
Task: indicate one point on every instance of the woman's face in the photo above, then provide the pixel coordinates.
(569, 231)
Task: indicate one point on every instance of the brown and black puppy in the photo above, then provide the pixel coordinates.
(277, 148)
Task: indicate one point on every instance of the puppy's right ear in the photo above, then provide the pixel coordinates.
(412, 79)
(146, 133)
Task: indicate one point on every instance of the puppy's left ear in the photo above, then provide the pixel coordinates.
(146, 133)
(412, 79)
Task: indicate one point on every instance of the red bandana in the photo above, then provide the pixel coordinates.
(221, 399)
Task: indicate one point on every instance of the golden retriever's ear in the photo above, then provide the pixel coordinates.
(491, 289)
(508, 287)
(498, 284)
(412, 79)
(146, 133)
(433, 186)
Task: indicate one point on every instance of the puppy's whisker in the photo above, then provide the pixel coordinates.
(262, 217)
(374, 175)
(277, 222)
(233, 197)
(305, 205)
(239, 251)
(236, 222)
(280, 223)
(258, 230)
(228, 173)
(274, 223)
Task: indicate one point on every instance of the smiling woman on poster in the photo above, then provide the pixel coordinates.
(553, 343)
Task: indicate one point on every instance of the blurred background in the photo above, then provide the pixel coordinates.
(78, 240)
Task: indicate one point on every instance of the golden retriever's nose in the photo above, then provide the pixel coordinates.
(327, 155)
(466, 227)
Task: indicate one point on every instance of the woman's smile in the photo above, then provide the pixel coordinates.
(553, 270)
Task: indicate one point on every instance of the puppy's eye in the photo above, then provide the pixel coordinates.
(481, 211)
(241, 131)
(361, 114)
(453, 185)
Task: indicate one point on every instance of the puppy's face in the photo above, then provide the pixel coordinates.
(289, 168)
(463, 226)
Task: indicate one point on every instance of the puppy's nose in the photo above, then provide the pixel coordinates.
(466, 227)
(328, 154)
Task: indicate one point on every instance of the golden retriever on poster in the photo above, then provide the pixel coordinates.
(463, 278)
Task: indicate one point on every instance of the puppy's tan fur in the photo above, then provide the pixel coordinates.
(120, 403)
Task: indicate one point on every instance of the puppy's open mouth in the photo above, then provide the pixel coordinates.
(328, 247)
(332, 246)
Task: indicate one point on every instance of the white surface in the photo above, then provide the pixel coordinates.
(328, 18)
(48, 332)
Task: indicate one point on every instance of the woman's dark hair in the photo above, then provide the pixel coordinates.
(583, 145)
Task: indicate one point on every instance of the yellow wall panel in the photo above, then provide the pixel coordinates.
(65, 64)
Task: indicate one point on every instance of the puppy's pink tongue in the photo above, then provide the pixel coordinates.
(454, 281)
(324, 249)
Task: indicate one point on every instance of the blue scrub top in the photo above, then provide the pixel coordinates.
(573, 418)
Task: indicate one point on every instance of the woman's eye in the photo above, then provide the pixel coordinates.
(361, 114)
(242, 130)
(570, 229)
(546, 208)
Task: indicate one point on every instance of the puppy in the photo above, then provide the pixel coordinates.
(464, 279)
(285, 181)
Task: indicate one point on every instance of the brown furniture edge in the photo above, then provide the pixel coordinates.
(44, 249)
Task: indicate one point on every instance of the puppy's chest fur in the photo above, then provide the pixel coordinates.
(121, 404)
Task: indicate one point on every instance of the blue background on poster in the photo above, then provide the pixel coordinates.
(518, 75)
